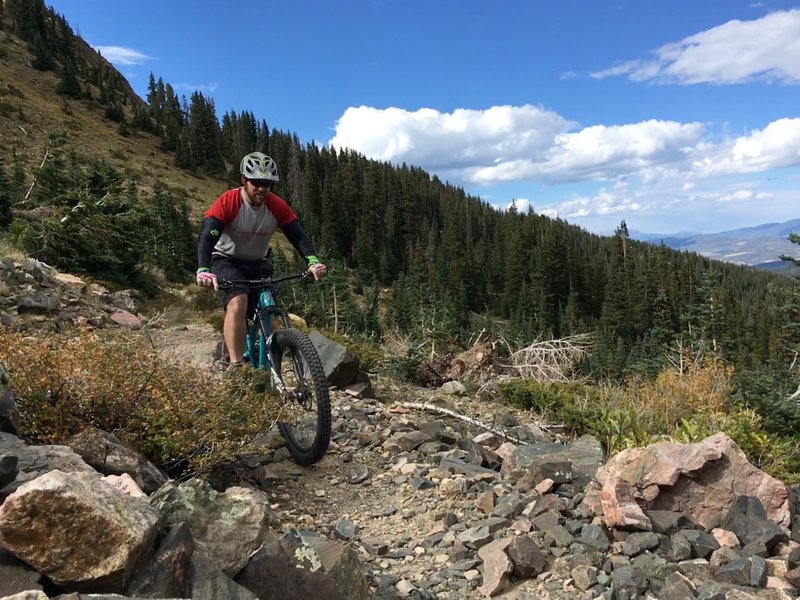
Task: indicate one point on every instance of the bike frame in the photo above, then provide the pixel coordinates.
(261, 349)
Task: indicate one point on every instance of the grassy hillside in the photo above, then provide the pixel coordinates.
(30, 110)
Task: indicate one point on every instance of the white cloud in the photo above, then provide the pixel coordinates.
(122, 56)
(737, 196)
(505, 144)
(775, 146)
(465, 138)
(512, 144)
(766, 49)
(202, 88)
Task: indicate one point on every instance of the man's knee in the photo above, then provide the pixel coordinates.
(237, 304)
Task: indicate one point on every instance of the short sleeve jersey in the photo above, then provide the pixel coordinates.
(248, 229)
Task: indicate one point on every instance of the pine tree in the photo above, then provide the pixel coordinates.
(203, 136)
(69, 85)
(42, 57)
(616, 333)
(312, 196)
(795, 239)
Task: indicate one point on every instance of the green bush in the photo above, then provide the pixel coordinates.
(572, 404)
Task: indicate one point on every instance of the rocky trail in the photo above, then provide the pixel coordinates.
(414, 499)
(381, 498)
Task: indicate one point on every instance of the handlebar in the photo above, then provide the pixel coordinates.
(266, 283)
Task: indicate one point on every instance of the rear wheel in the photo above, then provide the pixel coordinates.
(306, 404)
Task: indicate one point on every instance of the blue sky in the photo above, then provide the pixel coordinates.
(676, 116)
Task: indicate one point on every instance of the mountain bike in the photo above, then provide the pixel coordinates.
(294, 367)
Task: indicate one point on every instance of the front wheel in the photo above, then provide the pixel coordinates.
(306, 404)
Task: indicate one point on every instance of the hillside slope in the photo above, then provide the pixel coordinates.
(30, 110)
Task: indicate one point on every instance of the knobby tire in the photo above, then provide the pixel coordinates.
(297, 353)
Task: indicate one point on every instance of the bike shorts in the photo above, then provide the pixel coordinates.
(230, 268)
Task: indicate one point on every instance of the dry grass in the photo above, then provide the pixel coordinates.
(9, 250)
(119, 382)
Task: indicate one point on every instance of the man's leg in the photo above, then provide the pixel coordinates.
(235, 326)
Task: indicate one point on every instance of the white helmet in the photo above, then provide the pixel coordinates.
(258, 165)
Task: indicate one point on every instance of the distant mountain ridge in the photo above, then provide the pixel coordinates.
(760, 246)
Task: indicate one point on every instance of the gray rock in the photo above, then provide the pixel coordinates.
(475, 537)
(528, 558)
(210, 583)
(359, 475)
(638, 541)
(629, 582)
(703, 544)
(8, 469)
(341, 366)
(16, 576)
(227, 527)
(106, 453)
(33, 461)
(38, 302)
(747, 518)
(453, 388)
(677, 587)
(168, 573)
(558, 536)
(9, 413)
(736, 572)
(584, 576)
(298, 566)
(344, 529)
(595, 537)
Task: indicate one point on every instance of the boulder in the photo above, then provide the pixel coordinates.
(227, 527)
(16, 576)
(106, 453)
(701, 480)
(33, 461)
(78, 530)
(305, 566)
(341, 366)
(168, 574)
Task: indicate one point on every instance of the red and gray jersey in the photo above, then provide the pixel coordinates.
(248, 229)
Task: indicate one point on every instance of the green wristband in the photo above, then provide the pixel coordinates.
(312, 260)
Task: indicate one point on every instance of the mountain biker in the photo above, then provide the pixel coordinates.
(234, 240)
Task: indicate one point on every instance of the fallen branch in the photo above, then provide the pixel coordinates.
(796, 395)
(33, 183)
(551, 360)
(470, 420)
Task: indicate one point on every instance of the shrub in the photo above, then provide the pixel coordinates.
(572, 404)
(686, 403)
(174, 413)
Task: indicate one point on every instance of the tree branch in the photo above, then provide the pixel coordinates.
(470, 420)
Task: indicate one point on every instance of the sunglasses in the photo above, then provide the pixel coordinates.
(260, 183)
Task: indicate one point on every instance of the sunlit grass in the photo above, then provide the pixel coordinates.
(10, 250)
